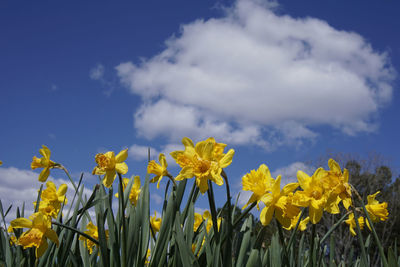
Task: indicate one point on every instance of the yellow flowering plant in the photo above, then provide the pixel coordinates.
(135, 189)
(160, 170)
(39, 230)
(44, 163)
(109, 165)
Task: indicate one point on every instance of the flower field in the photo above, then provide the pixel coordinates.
(92, 232)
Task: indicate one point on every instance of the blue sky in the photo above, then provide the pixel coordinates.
(280, 82)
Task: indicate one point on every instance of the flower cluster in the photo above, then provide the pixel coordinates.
(323, 191)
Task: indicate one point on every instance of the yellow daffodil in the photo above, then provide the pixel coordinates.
(36, 236)
(352, 223)
(135, 189)
(259, 182)
(337, 184)
(44, 163)
(52, 199)
(92, 231)
(279, 202)
(157, 169)
(302, 225)
(110, 165)
(204, 161)
(313, 194)
(208, 219)
(155, 223)
(377, 211)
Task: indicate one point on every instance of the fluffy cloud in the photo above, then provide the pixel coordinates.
(21, 186)
(256, 77)
(289, 173)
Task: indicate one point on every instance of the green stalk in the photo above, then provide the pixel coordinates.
(228, 246)
(334, 226)
(122, 214)
(76, 231)
(211, 200)
(313, 230)
(361, 240)
(285, 253)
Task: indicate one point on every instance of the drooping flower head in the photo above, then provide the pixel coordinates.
(39, 230)
(44, 163)
(52, 199)
(159, 170)
(92, 231)
(110, 165)
(279, 202)
(259, 182)
(377, 211)
(204, 161)
(135, 189)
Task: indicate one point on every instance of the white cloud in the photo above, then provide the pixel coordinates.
(254, 72)
(156, 198)
(97, 72)
(21, 186)
(289, 172)
(140, 152)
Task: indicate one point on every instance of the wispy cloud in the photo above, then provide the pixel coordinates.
(97, 73)
(257, 77)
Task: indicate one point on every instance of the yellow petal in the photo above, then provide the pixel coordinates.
(42, 248)
(44, 174)
(45, 152)
(202, 184)
(52, 235)
(162, 160)
(227, 159)
(186, 172)
(304, 179)
(187, 142)
(122, 156)
(289, 188)
(266, 215)
(334, 166)
(21, 223)
(109, 178)
(62, 190)
(315, 214)
(121, 168)
(51, 185)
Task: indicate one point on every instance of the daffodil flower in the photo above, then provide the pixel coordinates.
(313, 194)
(204, 161)
(52, 199)
(155, 223)
(259, 182)
(279, 202)
(208, 219)
(110, 165)
(159, 170)
(377, 211)
(135, 189)
(92, 231)
(337, 184)
(36, 236)
(44, 163)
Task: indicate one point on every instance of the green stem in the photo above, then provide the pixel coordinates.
(292, 236)
(244, 214)
(360, 240)
(122, 214)
(77, 231)
(285, 253)
(335, 226)
(313, 230)
(213, 210)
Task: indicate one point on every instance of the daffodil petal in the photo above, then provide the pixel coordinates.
(42, 248)
(44, 174)
(52, 235)
(109, 178)
(121, 156)
(21, 223)
(266, 215)
(227, 159)
(121, 168)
